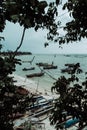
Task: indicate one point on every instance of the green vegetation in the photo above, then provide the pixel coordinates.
(28, 14)
(39, 14)
(72, 100)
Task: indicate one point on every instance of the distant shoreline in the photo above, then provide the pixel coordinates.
(16, 53)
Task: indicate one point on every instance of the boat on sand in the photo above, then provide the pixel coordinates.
(35, 75)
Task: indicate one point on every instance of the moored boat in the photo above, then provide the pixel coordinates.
(42, 64)
(35, 75)
(71, 122)
(50, 67)
(25, 69)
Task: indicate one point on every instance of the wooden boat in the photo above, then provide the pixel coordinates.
(68, 70)
(46, 65)
(71, 122)
(31, 124)
(22, 91)
(16, 116)
(73, 65)
(70, 65)
(42, 64)
(25, 69)
(44, 110)
(35, 116)
(35, 75)
(50, 67)
(39, 103)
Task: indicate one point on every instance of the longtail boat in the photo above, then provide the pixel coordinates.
(50, 67)
(35, 75)
(25, 69)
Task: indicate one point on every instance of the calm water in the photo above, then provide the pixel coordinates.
(46, 81)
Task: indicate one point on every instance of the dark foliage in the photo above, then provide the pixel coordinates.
(39, 14)
(28, 13)
(72, 99)
(32, 13)
(77, 27)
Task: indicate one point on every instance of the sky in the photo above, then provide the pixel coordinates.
(34, 41)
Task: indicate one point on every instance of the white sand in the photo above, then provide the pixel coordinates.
(32, 87)
(26, 83)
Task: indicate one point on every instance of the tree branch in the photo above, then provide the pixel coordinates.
(22, 38)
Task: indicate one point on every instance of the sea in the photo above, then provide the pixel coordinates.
(51, 75)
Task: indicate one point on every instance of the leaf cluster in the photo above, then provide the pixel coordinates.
(28, 13)
(72, 99)
(40, 14)
(77, 28)
(11, 102)
(32, 13)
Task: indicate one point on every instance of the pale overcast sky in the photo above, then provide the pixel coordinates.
(34, 41)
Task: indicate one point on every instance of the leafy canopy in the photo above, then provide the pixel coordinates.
(28, 13)
(39, 14)
(76, 29)
(72, 99)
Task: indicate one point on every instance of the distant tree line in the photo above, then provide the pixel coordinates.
(16, 53)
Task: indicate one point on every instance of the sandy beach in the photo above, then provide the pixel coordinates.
(31, 86)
